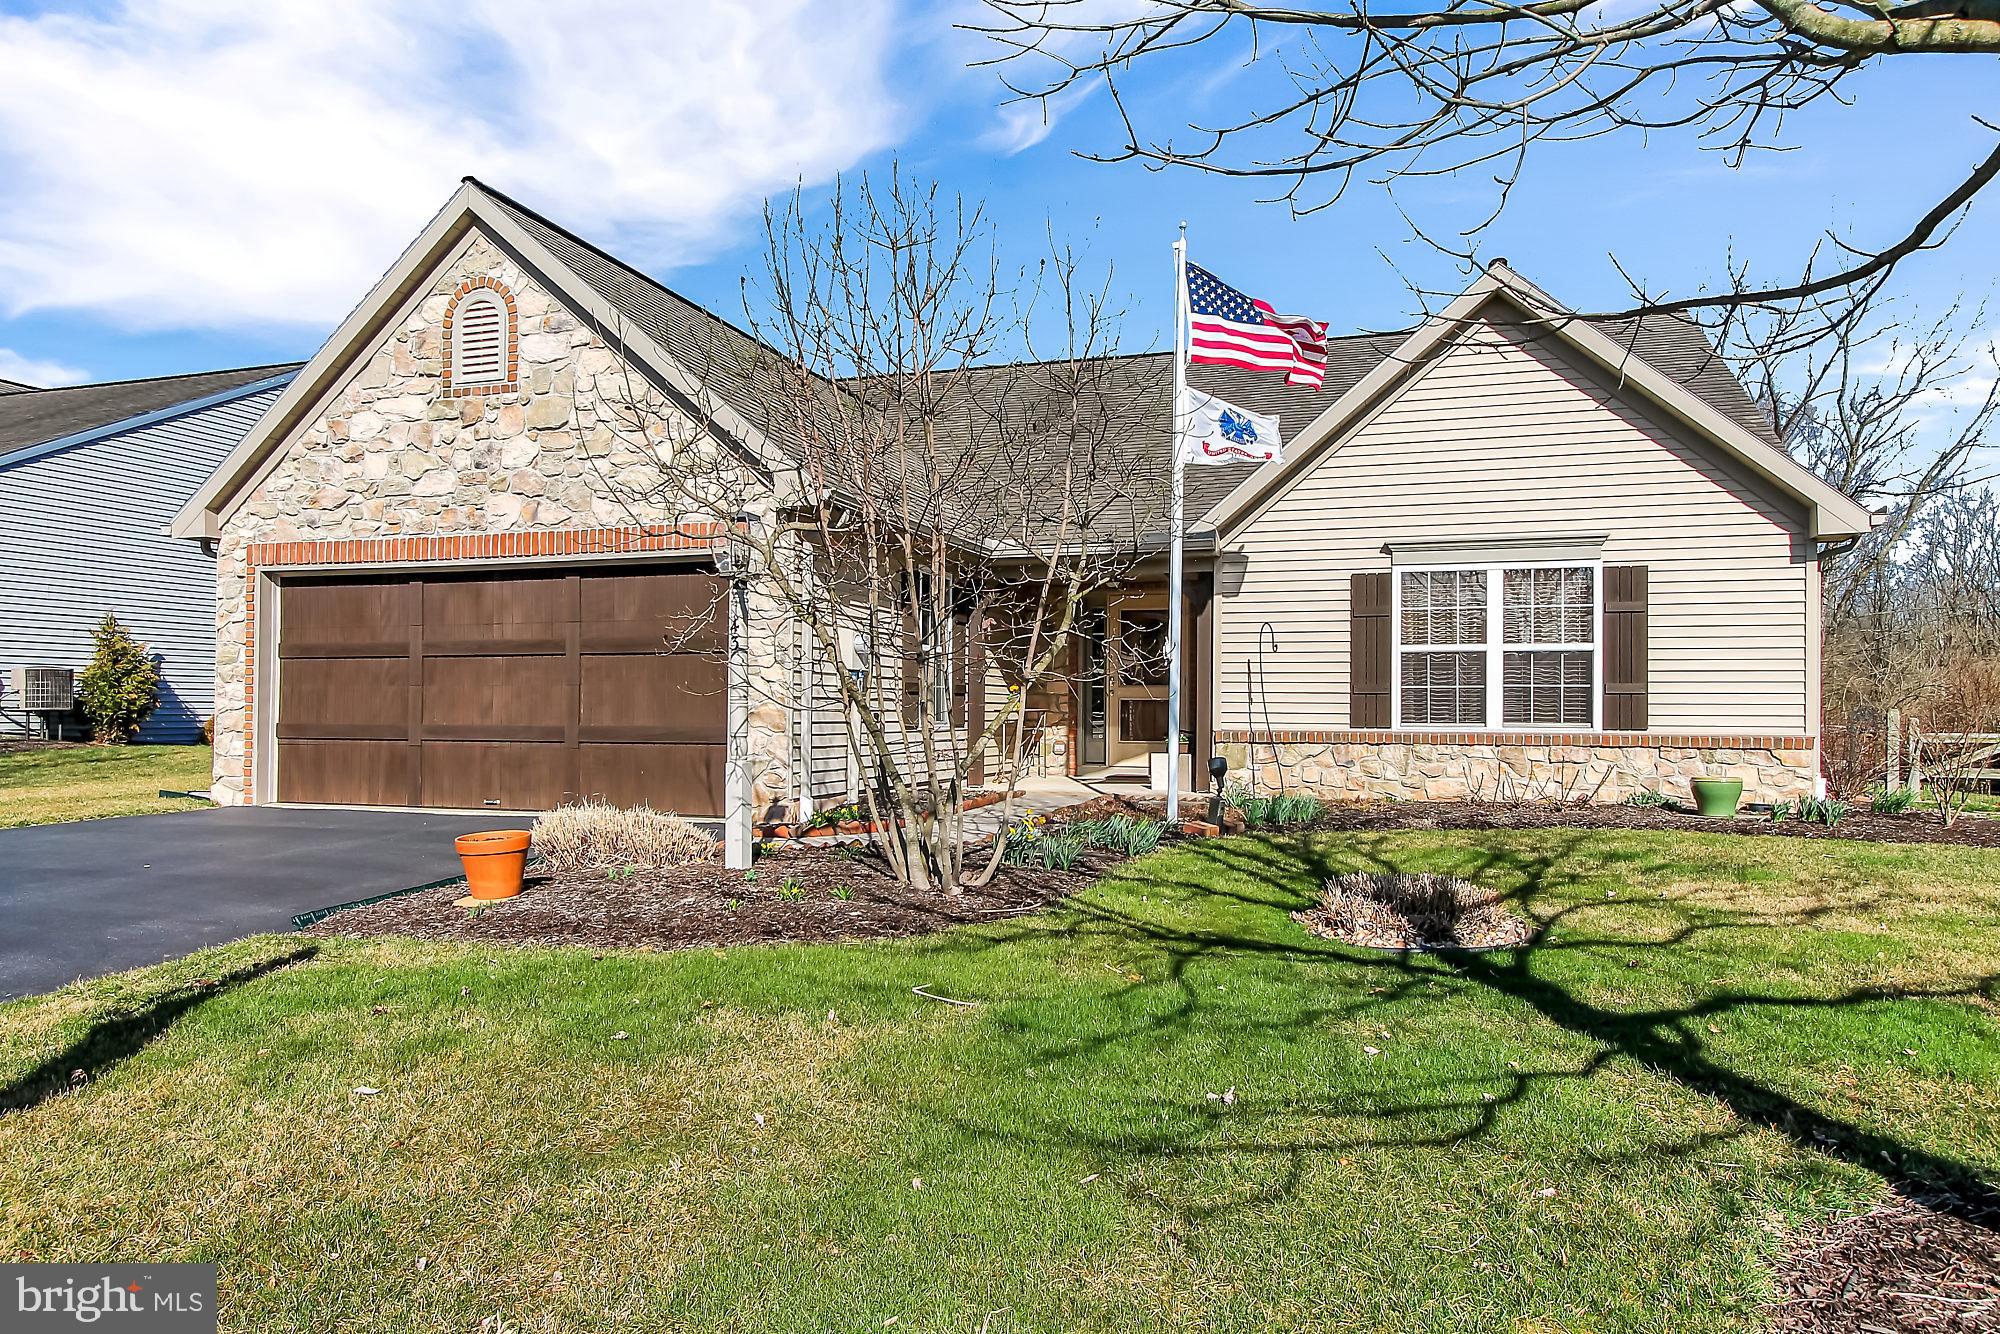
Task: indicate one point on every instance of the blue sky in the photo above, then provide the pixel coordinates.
(203, 183)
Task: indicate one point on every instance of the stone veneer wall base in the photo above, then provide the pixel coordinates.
(1603, 767)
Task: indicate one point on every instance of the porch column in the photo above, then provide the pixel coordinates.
(1198, 707)
(739, 819)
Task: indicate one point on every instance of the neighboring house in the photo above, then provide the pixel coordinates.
(1500, 550)
(90, 477)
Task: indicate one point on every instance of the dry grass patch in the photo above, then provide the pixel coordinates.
(595, 836)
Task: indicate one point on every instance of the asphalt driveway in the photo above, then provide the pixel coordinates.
(97, 896)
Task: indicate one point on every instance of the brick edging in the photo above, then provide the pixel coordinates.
(1650, 740)
(511, 335)
(260, 556)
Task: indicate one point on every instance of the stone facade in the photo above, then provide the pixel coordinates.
(577, 445)
(1358, 766)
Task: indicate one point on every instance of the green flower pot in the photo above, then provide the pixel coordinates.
(1717, 798)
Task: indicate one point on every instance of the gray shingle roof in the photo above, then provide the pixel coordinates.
(710, 348)
(1135, 389)
(15, 387)
(40, 415)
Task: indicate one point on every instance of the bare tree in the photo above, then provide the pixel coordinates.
(927, 518)
(1961, 730)
(1398, 94)
(1894, 413)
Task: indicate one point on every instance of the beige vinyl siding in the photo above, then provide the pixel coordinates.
(1511, 436)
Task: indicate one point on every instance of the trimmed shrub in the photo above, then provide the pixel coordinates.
(596, 836)
(121, 687)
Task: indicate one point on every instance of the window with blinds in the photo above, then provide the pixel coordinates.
(1550, 620)
(1497, 646)
(1442, 633)
(479, 340)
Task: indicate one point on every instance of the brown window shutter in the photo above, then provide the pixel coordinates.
(1370, 650)
(1625, 648)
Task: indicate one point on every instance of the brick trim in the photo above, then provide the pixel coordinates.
(262, 557)
(1650, 740)
(513, 381)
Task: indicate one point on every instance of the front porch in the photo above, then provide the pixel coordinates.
(1102, 717)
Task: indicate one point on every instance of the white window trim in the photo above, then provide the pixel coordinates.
(1496, 646)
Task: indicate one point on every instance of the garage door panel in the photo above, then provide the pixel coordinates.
(348, 620)
(345, 773)
(345, 697)
(685, 779)
(496, 692)
(654, 697)
(510, 707)
(503, 775)
(478, 616)
(642, 613)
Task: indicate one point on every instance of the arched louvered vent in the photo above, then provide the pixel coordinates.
(479, 340)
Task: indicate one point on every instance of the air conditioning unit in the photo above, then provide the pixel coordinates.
(45, 689)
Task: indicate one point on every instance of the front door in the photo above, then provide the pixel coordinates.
(1136, 668)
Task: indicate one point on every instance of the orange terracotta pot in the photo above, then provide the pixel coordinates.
(494, 862)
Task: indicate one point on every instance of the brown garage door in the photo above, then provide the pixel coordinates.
(513, 693)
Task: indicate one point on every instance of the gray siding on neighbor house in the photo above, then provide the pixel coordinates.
(83, 532)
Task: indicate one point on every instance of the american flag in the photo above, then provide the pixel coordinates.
(1227, 328)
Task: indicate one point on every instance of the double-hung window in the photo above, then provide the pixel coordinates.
(1497, 646)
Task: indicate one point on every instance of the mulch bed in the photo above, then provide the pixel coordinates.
(1920, 826)
(1901, 1266)
(709, 905)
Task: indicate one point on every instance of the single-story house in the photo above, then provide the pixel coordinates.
(90, 477)
(1502, 553)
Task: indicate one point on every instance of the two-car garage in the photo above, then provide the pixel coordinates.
(475, 690)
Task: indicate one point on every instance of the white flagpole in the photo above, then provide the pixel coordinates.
(1174, 548)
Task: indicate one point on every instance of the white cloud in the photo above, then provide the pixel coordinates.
(1022, 124)
(176, 163)
(41, 374)
(984, 41)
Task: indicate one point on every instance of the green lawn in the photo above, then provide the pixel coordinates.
(89, 782)
(1721, 1038)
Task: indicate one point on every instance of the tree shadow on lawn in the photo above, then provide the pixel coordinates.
(124, 1032)
(1279, 875)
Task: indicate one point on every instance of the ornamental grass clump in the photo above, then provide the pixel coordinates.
(1821, 810)
(1254, 809)
(1891, 801)
(1294, 808)
(1033, 841)
(1122, 833)
(1403, 911)
(594, 836)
